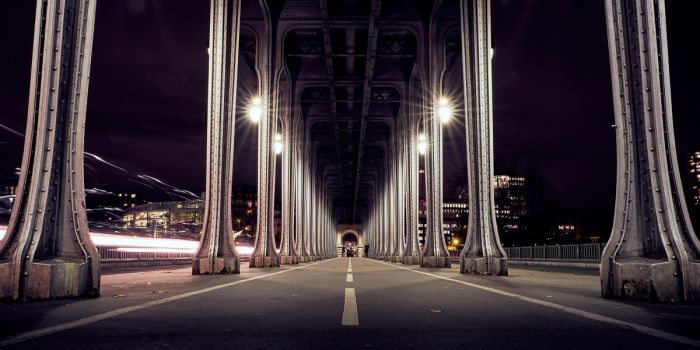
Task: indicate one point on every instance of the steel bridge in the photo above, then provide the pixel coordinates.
(349, 90)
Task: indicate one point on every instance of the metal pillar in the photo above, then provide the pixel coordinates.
(47, 251)
(482, 251)
(412, 251)
(400, 199)
(307, 207)
(653, 252)
(396, 217)
(217, 250)
(264, 253)
(435, 253)
(287, 253)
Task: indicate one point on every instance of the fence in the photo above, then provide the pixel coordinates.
(582, 252)
(111, 254)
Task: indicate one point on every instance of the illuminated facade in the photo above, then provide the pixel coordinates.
(695, 178)
(164, 214)
(188, 216)
(510, 197)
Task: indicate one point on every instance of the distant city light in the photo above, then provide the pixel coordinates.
(422, 144)
(278, 144)
(255, 110)
(444, 110)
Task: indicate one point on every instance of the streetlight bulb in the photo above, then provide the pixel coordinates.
(422, 144)
(255, 110)
(444, 110)
(278, 144)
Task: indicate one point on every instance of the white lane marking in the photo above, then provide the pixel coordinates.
(349, 278)
(578, 312)
(349, 269)
(350, 310)
(22, 337)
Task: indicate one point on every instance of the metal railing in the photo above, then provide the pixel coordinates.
(111, 254)
(583, 252)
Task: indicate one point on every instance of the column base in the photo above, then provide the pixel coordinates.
(397, 259)
(410, 260)
(643, 279)
(436, 261)
(289, 259)
(55, 278)
(264, 261)
(205, 266)
(303, 259)
(482, 266)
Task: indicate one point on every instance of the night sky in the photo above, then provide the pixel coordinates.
(552, 94)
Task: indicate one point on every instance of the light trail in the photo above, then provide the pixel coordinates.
(146, 244)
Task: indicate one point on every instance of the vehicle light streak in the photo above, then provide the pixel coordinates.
(145, 244)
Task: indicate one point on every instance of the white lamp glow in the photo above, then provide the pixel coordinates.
(422, 144)
(278, 144)
(255, 110)
(444, 110)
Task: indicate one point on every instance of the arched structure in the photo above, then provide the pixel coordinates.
(350, 86)
(357, 238)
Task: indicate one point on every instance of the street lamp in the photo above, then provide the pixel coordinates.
(422, 144)
(444, 110)
(255, 110)
(278, 144)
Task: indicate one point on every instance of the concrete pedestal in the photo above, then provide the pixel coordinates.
(484, 266)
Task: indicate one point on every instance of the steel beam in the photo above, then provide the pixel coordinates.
(482, 253)
(47, 251)
(217, 250)
(435, 253)
(269, 70)
(287, 254)
(412, 252)
(375, 9)
(652, 253)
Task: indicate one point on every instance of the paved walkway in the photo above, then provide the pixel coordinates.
(348, 303)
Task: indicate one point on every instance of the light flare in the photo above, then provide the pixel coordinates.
(444, 110)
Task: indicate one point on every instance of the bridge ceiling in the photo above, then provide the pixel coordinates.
(349, 97)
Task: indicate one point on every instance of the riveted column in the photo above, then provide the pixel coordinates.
(482, 251)
(287, 254)
(400, 196)
(47, 251)
(435, 253)
(307, 208)
(269, 68)
(217, 253)
(653, 252)
(412, 252)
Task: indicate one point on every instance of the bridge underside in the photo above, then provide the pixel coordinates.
(345, 92)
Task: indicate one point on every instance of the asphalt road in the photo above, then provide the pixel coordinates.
(330, 305)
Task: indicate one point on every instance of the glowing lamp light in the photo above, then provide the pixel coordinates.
(255, 110)
(278, 144)
(422, 144)
(444, 110)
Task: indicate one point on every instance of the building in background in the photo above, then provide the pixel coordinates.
(510, 197)
(695, 178)
(185, 218)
